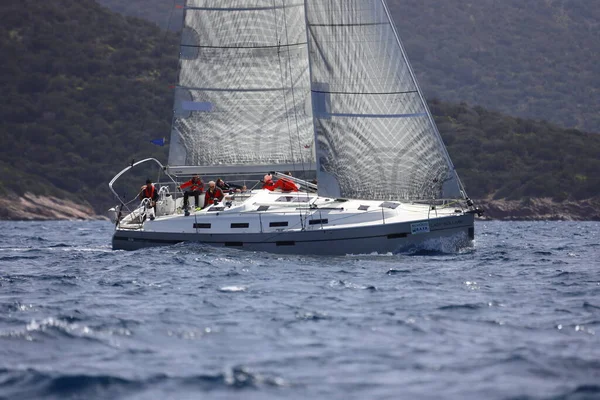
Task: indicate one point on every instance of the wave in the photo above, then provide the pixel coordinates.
(63, 278)
(66, 327)
(590, 306)
(466, 306)
(349, 285)
(232, 289)
(393, 271)
(312, 316)
(31, 383)
(18, 258)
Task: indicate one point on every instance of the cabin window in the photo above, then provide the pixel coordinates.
(202, 226)
(240, 225)
(275, 224)
(262, 208)
(318, 221)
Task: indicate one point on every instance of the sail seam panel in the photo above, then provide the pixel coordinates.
(270, 8)
(245, 47)
(366, 93)
(377, 115)
(204, 89)
(353, 24)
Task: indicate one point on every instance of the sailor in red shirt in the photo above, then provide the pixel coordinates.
(268, 182)
(212, 195)
(194, 188)
(284, 184)
(149, 191)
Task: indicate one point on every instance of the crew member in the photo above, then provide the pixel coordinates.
(194, 188)
(213, 194)
(224, 186)
(286, 185)
(149, 191)
(268, 182)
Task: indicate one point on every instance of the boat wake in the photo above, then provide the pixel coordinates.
(456, 244)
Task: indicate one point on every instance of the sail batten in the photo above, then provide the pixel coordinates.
(378, 115)
(278, 46)
(361, 93)
(207, 89)
(354, 24)
(264, 8)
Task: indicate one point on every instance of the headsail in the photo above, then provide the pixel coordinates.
(375, 136)
(243, 96)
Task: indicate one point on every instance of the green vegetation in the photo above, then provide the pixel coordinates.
(85, 90)
(532, 59)
(513, 158)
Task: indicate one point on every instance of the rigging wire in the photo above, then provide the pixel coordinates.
(303, 218)
(281, 74)
(300, 145)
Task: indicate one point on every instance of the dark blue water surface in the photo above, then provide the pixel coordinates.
(515, 317)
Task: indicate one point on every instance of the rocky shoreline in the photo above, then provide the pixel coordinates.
(30, 207)
(540, 209)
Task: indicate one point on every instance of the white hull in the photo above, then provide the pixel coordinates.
(302, 223)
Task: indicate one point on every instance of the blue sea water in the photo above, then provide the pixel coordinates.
(517, 316)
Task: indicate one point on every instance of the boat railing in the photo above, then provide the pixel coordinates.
(117, 176)
(124, 207)
(435, 204)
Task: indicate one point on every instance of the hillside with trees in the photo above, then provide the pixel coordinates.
(532, 59)
(86, 90)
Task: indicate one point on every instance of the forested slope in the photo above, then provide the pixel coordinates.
(85, 90)
(533, 58)
(527, 58)
(505, 157)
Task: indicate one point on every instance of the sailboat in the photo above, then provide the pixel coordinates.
(320, 88)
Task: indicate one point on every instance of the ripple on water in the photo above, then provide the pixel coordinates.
(32, 383)
(187, 321)
(233, 289)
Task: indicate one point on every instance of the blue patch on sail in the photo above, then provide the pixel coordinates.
(321, 100)
(196, 106)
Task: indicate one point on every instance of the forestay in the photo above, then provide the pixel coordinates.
(243, 96)
(375, 136)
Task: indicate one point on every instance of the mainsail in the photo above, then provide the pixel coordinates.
(375, 136)
(243, 95)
